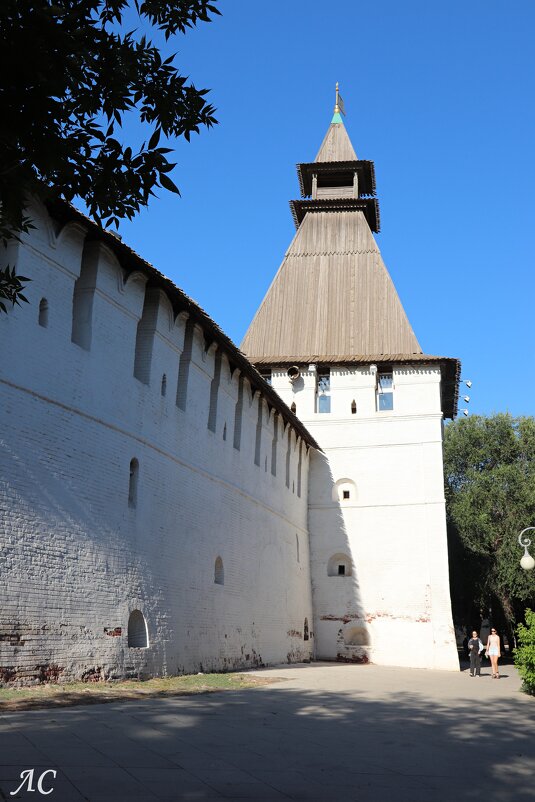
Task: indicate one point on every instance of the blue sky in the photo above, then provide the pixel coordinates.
(439, 96)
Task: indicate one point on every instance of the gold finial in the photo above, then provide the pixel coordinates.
(339, 105)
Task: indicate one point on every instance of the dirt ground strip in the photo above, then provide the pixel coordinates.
(81, 693)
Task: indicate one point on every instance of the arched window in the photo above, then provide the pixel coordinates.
(344, 491)
(305, 630)
(353, 407)
(138, 636)
(293, 408)
(164, 385)
(339, 565)
(43, 313)
(219, 572)
(132, 485)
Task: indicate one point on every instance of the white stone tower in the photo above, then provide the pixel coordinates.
(333, 337)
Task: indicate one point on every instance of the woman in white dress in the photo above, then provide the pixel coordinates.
(493, 651)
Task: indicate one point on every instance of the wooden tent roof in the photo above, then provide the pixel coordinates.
(331, 296)
(336, 145)
(332, 301)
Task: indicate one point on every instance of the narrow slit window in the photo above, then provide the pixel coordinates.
(43, 313)
(132, 485)
(293, 408)
(353, 407)
(164, 386)
(219, 572)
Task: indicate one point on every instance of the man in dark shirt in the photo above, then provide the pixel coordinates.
(475, 647)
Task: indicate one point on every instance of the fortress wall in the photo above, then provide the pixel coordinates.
(78, 552)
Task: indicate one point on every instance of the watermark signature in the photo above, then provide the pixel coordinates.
(27, 776)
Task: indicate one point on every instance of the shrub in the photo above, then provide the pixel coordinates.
(525, 652)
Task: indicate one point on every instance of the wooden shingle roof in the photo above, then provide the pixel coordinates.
(336, 145)
(331, 296)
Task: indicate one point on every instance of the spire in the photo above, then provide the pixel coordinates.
(336, 146)
(338, 108)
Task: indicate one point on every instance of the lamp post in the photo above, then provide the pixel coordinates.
(527, 562)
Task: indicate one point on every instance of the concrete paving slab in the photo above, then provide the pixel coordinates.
(325, 732)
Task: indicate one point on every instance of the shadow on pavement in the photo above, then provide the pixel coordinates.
(279, 742)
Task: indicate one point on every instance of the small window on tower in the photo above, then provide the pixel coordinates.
(346, 494)
(385, 394)
(324, 391)
(353, 407)
(341, 570)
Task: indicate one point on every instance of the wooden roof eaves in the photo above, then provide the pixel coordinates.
(370, 207)
(305, 171)
(130, 260)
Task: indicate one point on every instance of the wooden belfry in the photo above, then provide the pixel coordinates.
(332, 296)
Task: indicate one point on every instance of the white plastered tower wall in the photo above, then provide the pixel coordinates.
(377, 521)
(392, 605)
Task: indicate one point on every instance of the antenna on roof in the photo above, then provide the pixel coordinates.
(339, 105)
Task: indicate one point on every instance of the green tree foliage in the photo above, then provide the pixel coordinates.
(11, 287)
(489, 465)
(69, 72)
(525, 652)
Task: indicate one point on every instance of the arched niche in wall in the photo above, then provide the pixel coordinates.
(339, 565)
(356, 636)
(344, 491)
(42, 223)
(138, 636)
(110, 264)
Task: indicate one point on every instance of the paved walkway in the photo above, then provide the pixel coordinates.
(326, 732)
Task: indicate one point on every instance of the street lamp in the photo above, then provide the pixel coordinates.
(527, 562)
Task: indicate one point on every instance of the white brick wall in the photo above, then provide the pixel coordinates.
(75, 558)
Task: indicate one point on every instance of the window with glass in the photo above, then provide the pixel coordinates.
(385, 392)
(324, 391)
